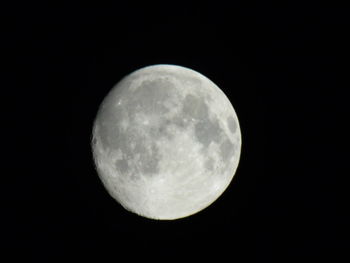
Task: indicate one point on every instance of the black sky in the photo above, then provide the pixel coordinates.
(280, 66)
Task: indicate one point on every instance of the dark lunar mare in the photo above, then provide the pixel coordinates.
(207, 130)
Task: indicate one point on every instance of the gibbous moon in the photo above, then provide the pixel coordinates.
(166, 142)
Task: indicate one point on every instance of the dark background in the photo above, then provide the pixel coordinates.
(280, 66)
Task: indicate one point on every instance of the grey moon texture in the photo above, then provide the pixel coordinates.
(166, 142)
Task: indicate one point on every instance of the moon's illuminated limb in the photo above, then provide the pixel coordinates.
(166, 142)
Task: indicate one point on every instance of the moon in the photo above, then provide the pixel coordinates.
(166, 142)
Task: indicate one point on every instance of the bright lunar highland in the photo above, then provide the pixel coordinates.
(166, 142)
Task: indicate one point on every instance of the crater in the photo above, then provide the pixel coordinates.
(209, 164)
(122, 166)
(93, 141)
(194, 82)
(181, 122)
(227, 149)
(232, 124)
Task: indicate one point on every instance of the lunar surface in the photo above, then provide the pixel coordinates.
(166, 142)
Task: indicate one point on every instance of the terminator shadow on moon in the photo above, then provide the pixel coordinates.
(166, 142)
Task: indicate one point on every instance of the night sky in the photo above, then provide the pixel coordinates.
(280, 66)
